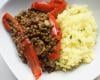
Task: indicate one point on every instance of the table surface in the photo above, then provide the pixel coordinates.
(5, 73)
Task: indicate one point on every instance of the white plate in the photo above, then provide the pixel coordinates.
(22, 71)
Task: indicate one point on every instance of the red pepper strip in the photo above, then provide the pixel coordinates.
(54, 56)
(56, 31)
(29, 51)
(58, 9)
(58, 47)
(55, 6)
(7, 18)
(32, 58)
(43, 6)
(5, 23)
(57, 3)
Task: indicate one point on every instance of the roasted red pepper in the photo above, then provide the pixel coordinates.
(54, 56)
(43, 6)
(58, 10)
(59, 7)
(8, 18)
(32, 58)
(57, 3)
(54, 6)
(29, 51)
(56, 31)
(58, 47)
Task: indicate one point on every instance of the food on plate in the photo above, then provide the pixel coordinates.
(53, 36)
(78, 37)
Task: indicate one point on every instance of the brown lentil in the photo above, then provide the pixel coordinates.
(38, 29)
